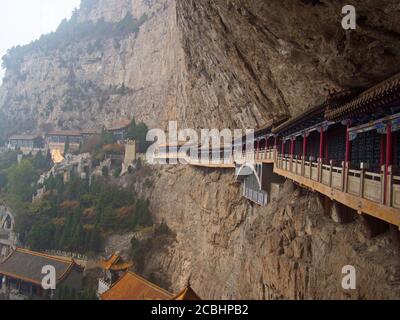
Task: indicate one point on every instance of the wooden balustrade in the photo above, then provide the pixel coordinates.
(361, 183)
(395, 191)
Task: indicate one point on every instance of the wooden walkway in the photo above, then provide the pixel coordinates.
(360, 190)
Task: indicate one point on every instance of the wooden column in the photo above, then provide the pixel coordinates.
(348, 145)
(389, 147)
(321, 143)
(304, 146)
(389, 160)
(292, 144)
(383, 151)
(283, 147)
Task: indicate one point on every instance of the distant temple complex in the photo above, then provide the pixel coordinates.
(57, 140)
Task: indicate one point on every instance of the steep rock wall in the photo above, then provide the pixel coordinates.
(231, 249)
(247, 61)
(93, 80)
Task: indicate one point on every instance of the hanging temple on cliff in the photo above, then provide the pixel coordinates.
(346, 149)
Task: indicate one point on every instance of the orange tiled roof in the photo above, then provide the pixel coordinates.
(115, 264)
(187, 294)
(133, 287)
(106, 264)
(121, 266)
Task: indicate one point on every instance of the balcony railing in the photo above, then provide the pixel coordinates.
(361, 183)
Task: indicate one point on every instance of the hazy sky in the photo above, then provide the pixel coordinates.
(22, 21)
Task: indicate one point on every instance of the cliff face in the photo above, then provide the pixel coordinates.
(231, 249)
(217, 64)
(86, 78)
(246, 61)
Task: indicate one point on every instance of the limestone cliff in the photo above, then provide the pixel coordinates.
(246, 61)
(113, 60)
(222, 63)
(231, 249)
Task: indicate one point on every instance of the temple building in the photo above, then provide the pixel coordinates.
(254, 168)
(21, 275)
(25, 142)
(172, 153)
(112, 270)
(88, 133)
(59, 139)
(133, 287)
(346, 148)
(119, 129)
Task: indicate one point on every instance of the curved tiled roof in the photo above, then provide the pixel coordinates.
(382, 94)
(187, 294)
(305, 114)
(115, 263)
(133, 287)
(27, 265)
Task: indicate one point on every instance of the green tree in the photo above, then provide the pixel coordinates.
(20, 181)
(107, 138)
(108, 219)
(95, 240)
(138, 133)
(41, 236)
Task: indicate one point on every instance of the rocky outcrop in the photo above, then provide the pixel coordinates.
(249, 60)
(231, 249)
